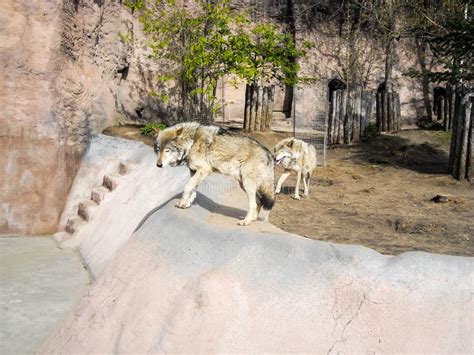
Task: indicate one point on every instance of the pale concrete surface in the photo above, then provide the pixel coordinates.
(183, 283)
(40, 285)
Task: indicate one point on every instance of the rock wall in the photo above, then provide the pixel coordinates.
(67, 71)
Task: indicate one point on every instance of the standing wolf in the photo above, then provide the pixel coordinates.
(207, 149)
(295, 155)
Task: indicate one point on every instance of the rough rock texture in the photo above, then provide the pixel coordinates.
(185, 283)
(105, 227)
(40, 154)
(66, 72)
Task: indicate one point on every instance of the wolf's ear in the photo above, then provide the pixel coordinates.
(179, 131)
(155, 132)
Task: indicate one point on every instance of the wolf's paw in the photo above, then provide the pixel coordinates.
(244, 222)
(305, 195)
(297, 197)
(277, 191)
(183, 205)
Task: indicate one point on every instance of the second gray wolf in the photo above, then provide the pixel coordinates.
(208, 149)
(295, 155)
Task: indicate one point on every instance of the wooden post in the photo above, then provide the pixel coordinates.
(330, 115)
(384, 111)
(399, 113)
(247, 108)
(465, 135)
(337, 117)
(454, 136)
(342, 114)
(258, 108)
(347, 118)
(263, 125)
(389, 111)
(445, 112)
(271, 101)
(366, 110)
(378, 108)
(267, 109)
(262, 108)
(452, 98)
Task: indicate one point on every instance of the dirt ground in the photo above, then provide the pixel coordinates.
(377, 194)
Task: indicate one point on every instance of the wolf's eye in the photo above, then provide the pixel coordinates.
(156, 148)
(167, 150)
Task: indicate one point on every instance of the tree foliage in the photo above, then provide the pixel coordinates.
(205, 41)
(448, 29)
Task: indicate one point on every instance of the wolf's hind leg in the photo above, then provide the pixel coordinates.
(250, 188)
(282, 179)
(189, 193)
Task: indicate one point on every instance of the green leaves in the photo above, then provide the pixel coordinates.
(152, 128)
(451, 39)
(205, 41)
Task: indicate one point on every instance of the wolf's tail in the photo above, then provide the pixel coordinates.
(266, 195)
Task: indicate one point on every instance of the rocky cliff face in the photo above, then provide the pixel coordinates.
(66, 71)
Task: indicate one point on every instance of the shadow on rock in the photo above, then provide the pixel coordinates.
(202, 201)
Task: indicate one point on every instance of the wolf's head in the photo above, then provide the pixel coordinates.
(173, 144)
(286, 150)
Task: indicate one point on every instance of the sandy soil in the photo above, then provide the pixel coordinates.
(377, 194)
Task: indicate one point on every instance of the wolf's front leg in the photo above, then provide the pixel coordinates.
(189, 193)
(251, 190)
(297, 188)
(281, 180)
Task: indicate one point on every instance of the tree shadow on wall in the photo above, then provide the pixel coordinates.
(151, 106)
(399, 152)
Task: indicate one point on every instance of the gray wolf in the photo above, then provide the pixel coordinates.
(295, 155)
(208, 149)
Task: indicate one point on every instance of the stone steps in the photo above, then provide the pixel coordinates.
(98, 194)
(74, 224)
(110, 181)
(85, 209)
